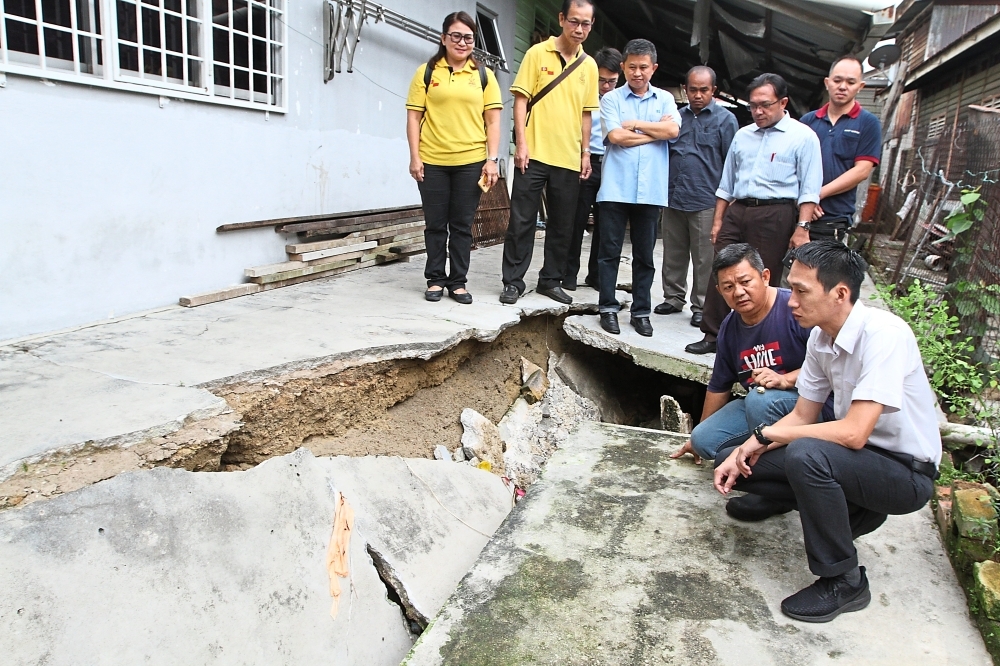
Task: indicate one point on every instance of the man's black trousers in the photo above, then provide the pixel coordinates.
(449, 196)
(840, 493)
(526, 193)
(584, 205)
(642, 221)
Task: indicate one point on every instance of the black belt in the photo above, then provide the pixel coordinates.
(928, 469)
(753, 203)
(595, 158)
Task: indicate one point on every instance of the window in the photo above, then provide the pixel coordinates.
(935, 127)
(61, 35)
(224, 51)
(488, 39)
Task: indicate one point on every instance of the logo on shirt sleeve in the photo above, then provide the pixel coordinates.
(761, 356)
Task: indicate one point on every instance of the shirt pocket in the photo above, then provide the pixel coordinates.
(781, 170)
(847, 145)
(708, 138)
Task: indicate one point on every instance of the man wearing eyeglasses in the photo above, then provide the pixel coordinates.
(557, 81)
(770, 186)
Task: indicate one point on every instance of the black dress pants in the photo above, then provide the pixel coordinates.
(840, 494)
(450, 197)
(563, 186)
(642, 221)
(585, 203)
(768, 229)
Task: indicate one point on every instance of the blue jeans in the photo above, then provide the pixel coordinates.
(733, 424)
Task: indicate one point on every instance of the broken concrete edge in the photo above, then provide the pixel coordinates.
(422, 351)
(123, 441)
(661, 363)
(197, 446)
(389, 577)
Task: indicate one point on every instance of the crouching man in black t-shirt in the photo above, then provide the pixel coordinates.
(760, 345)
(880, 454)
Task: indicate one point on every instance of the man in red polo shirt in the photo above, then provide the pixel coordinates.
(850, 141)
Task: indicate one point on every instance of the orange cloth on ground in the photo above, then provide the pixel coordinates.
(337, 553)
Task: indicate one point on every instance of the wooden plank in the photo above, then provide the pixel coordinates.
(388, 258)
(277, 284)
(219, 295)
(305, 270)
(309, 218)
(414, 247)
(342, 222)
(394, 229)
(332, 252)
(270, 269)
(299, 248)
(365, 226)
(401, 237)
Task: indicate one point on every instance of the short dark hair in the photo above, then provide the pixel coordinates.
(768, 79)
(610, 59)
(847, 57)
(700, 69)
(834, 263)
(639, 47)
(569, 3)
(734, 254)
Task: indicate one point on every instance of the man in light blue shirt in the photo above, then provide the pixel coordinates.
(609, 70)
(638, 121)
(770, 186)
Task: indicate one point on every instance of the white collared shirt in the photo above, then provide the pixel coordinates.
(875, 357)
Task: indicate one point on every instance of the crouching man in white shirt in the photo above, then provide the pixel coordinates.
(880, 455)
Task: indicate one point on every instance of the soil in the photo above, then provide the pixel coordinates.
(398, 408)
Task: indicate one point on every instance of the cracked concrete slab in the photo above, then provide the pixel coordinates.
(48, 406)
(166, 566)
(621, 556)
(142, 377)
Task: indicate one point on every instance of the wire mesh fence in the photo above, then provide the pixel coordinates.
(906, 232)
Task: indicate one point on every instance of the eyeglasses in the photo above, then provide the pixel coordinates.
(586, 25)
(607, 82)
(763, 105)
(459, 37)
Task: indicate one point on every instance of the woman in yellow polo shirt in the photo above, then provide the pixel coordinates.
(453, 128)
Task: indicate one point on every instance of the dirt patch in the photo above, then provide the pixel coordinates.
(398, 408)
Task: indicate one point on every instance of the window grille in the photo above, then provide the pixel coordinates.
(224, 51)
(992, 102)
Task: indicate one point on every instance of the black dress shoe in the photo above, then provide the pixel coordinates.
(701, 347)
(696, 319)
(569, 285)
(510, 294)
(464, 299)
(666, 308)
(642, 326)
(434, 295)
(827, 598)
(609, 322)
(556, 294)
(754, 508)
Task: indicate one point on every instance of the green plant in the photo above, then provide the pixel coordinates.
(947, 355)
(965, 216)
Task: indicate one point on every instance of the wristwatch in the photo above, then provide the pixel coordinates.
(803, 224)
(495, 160)
(758, 432)
(585, 152)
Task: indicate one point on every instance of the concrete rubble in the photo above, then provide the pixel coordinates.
(167, 566)
(619, 555)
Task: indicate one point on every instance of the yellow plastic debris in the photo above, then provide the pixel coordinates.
(485, 464)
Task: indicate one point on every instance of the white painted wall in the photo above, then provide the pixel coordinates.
(109, 204)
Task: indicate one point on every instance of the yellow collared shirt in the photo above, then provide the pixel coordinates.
(453, 132)
(555, 127)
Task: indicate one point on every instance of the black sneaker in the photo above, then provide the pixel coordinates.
(753, 508)
(509, 295)
(827, 598)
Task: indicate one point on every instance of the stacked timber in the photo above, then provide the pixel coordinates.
(330, 245)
